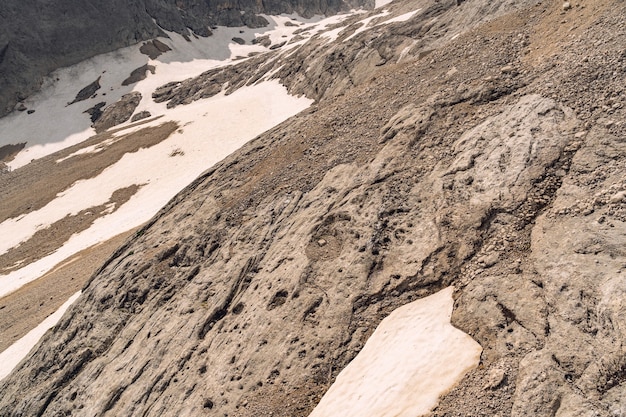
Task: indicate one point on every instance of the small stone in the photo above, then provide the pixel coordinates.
(21, 107)
(321, 242)
(507, 69)
(567, 5)
(605, 122)
(494, 378)
(452, 71)
(489, 260)
(580, 134)
(140, 116)
(619, 197)
(587, 211)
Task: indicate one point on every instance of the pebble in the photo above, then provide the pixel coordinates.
(567, 5)
(321, 242)
(489, 260)
(452, 72)
(619, 197)
(494, 378)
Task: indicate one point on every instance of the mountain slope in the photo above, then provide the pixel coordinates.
(493, 161)
(39, 37)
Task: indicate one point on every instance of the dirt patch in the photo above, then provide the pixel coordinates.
(8, 152)
(31, 187)
(24, 309)
(46, 241)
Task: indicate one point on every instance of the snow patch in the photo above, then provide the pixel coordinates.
(381, 3)
(402, 18)
(365, 23)
(413, 357)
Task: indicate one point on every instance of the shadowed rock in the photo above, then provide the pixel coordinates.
(138, 74)
(154, 48)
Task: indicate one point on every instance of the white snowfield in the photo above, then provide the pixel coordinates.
(414, 356)
(12, 356)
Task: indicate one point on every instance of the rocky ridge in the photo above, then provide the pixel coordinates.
(493, 162)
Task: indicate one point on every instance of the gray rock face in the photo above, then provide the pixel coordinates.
(251, 290)
(86, 92)
(118, 112)
(37, 37)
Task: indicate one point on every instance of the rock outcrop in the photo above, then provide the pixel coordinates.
(118, 112)
(493, 162)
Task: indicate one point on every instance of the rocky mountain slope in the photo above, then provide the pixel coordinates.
(479, 145)
(39, 37)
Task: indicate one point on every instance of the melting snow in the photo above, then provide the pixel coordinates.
(365, 24)
(414, 356)
(381, 3)
(402, 18)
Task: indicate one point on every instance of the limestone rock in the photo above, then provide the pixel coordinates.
(138, 74)
(154, 48)
(495, 377)
(95, 112)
